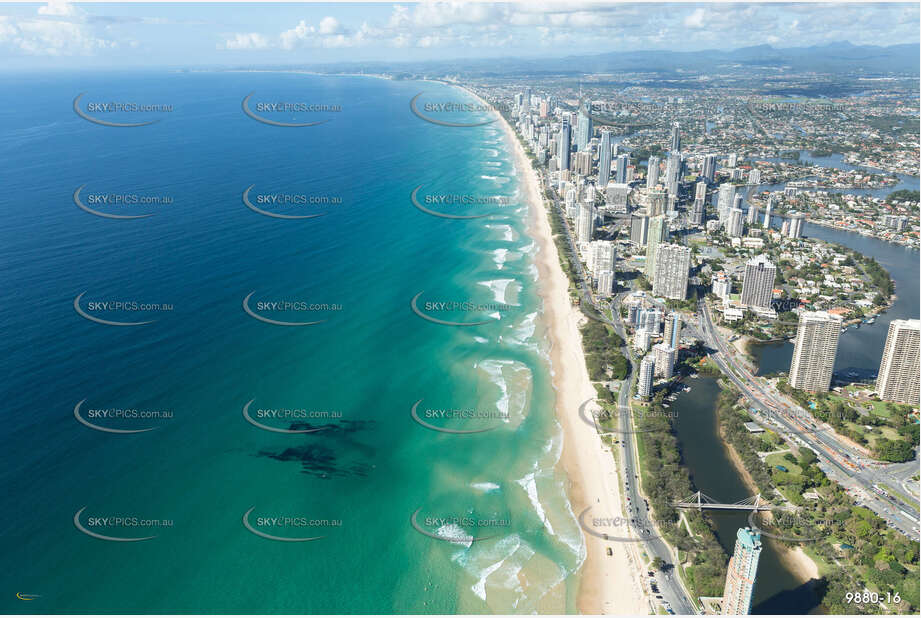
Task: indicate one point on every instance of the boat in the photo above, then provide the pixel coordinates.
(871, 320)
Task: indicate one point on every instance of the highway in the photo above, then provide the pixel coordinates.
(840, 461)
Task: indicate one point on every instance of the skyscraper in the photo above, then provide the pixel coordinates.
(734, 223)
(622, 162)
(639, 228)
(652, 172)
(657, 233)
(700, 191)
(815, 350)
(583, 130)
(672, 172)
(647, 372)
(898, 371)
(604, 159)
(676, 138)
(754, 177)
(605, 283)
(698, 212)
(656, 201)
(672, 329)
(796, 225)
(585, 224)
(671, 271)
(725, 201)
(601, 256)
(709, 168)
(664, 360)
(758, 284)
(767, 212)
(742, 573)
(752, 217)
(565, 143)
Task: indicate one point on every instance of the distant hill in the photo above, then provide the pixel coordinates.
(840, 57)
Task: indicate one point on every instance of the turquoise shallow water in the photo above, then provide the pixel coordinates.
(357, 480)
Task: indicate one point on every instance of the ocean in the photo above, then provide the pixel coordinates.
(244, 428)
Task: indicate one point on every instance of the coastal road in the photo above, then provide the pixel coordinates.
(840, 460)
(670, 586)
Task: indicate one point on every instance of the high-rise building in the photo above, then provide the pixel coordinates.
(709, 168)
(700, 191)
(604, 158)
(676, 138)
(672, 329)
(656, 200)
(657, 233)
(796, 225)
(647, 372)
(815, 350)
(671, 271)
(698, 212)
(601, 256)
(752, 217)
(621, 174)
(898, 371)
(583, 130)
(565, 144)
(672, 172)
(734, 223)
(605, 283)
(616, 196)
(767, 212)
(639, 228)
(732, 159)
(754, 177)
(582, 162)
(642, 339)
(742, 573)
(758, 284)
(725, 201)
(652, 172)
(664, 355)
(585, 224)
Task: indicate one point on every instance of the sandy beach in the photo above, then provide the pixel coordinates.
(609, 584)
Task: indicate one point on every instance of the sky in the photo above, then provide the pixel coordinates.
(59, 34)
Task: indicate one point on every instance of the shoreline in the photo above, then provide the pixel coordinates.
(607, 584)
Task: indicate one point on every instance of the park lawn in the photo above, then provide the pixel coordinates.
(777, 460)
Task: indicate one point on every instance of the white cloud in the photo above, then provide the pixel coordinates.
(58, 8)
(60, 30)
(695, 19)
(246, 40)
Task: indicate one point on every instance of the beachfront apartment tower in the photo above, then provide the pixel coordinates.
(671, 271)
(647, 372)
(742, 574)
(796, 225)
(604, 159)
(657, 233)
(605, 283)
(565, 144)
(585, 223)
(601, 255)
(758, 284)
(675, 145)
(815, 350)
(621, 173)
(898, 371)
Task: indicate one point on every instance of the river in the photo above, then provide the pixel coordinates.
(778, 590)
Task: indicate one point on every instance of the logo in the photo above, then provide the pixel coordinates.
(453, 306)
(276, 215)
(448, 107)
(109, 107)
(456, 521)
(605, 527)
(414, 413)
(111, 306)
(114, 414)
(106, 215)
(275, 107)
(277, 306)
(282, 522)
(106, 521)
(23, 596)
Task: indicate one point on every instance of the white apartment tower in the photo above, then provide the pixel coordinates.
(815, 351)
(758, 284)
(898, 372)
(671, 271)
